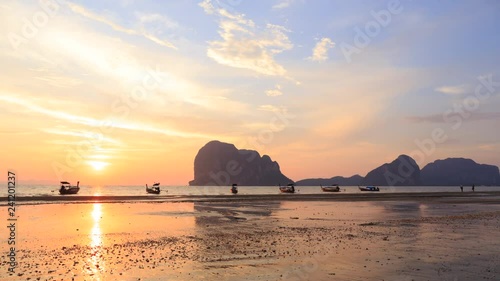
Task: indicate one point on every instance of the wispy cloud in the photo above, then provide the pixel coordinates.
(32, 107)
(93, 16)
(282, 4)
(490, 147)
(81, 134)
(245, 45)
(157, 19)
(453, 90)
(59, 81)
(274, 92)
(320, 51)
(439, 118)
(271, 108)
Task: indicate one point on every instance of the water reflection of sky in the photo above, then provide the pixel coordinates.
(96, 243)
(372, 211)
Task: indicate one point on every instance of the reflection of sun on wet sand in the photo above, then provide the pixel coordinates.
(439, 238)
(96, 263)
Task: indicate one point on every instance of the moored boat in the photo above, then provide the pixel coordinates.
(290, 188)
(67, 188)
(331, 188)
(369, 188)
(155, 189)
(234, 188)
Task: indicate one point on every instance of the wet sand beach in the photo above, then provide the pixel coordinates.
(452, 236)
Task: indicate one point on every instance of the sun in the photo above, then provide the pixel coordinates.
(98, 165)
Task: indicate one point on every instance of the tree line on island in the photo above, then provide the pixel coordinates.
(218, 164)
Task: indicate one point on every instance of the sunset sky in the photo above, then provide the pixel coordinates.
(127, 92)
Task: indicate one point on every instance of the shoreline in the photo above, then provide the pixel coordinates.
(443, 197)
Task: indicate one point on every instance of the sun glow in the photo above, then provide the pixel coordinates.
(98, 165)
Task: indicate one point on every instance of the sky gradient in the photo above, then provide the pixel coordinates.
(127, 92)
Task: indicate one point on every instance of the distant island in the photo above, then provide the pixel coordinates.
(404, 171)
(350, 181)
(218, 163)
(458, 171)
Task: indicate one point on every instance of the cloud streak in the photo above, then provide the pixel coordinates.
(440, 118)
(91, 122)
(80, 134)
(271, 108)
(453, 90)
(93, 16)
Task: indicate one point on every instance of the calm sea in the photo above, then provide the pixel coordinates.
(52, 190)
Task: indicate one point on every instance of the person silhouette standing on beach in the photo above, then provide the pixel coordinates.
(472, 188)
(462, 188)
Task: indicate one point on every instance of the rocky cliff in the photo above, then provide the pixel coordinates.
(403, 171)
(218, 163)
(459, 171)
